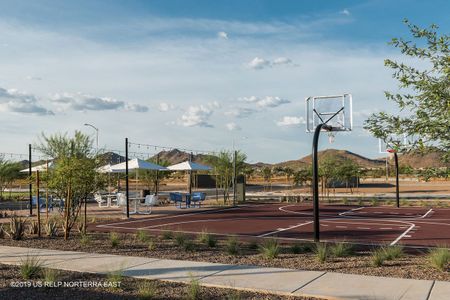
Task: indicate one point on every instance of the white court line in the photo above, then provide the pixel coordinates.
(276, 231)
(362, 227)
(351, 210)
(426, 214)
(402, 235)
(386, 228)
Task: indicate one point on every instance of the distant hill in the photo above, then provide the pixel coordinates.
(175, 156)
(111, 158)
(344, 154)
(418, 161)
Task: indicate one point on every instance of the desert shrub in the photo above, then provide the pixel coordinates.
(403, 203)
(270, 249)
(188, 245)
(360, 202)
(345, 201)
(33, 228)
(114, 238)
(321, 252)
(180, 238)
(80, 226)
(439, 258)
(393, 252)
(167, 235)
(341, 249)
(232, 245)
(147, 290)
(377, 257)
(207, 239)
(115, 278)
(193, 292)
(85, 239)
(151, 244)
(142, 236)
(16, 228)
(30, 267)
(51, 229)
(374, 202)
(50, 275)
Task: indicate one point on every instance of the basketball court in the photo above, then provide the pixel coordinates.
(412, 226)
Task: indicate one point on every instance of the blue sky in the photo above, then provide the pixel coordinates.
(198, 74)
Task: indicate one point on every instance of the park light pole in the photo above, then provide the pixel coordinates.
(96, 132)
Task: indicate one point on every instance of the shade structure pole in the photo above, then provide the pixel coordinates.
(190, 175)
(157, 176)
(127, 186)
(30, 186)
(316, 182)
(38, 206)
(234, 177)
(397, 187)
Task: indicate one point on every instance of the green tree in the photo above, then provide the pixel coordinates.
(302, 176)
(424, 99)
(223, 167)
(346, 171)
(267, 174)
(149, 176)
(8, 172)
(74, 177)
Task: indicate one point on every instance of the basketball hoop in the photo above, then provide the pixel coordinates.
(391, 153)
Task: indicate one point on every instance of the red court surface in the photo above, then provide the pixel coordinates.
(363, 225)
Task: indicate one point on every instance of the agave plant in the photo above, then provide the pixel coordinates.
(17, 228)
(33, 228)
(51, 229)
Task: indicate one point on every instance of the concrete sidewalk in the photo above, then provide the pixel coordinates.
(273, 280)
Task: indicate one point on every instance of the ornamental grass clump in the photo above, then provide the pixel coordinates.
(270, 249)
(232, 246)
(147, 290)
(377, 257)
(341, 249)
(321, 252)
(142, 236)
(206, 238)
(439, 258)
(30, 267)
(393, 252)
(114, 238)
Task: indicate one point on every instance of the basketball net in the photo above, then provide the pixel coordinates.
(331, 136)
(391, 153)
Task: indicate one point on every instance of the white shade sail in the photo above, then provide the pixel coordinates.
(135, 164)
(189, 166)
(40, 168)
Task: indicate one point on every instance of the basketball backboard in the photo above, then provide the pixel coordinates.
(396, 142)
(333, 110)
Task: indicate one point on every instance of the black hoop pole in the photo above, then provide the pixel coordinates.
(157, 176)
(127, 193)
(30, 186)
(234, 176)
(316, 180)
(397, 187)
(190, 174)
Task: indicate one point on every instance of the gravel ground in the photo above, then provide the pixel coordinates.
(414, 266)
(129, 288)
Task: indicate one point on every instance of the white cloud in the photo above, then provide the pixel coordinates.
(29, 77)
(21, 102)
(258, 63)
(268, 101)
(214, 104)
(85, 102)
(291, 121)
(222, 35)
(345, 12)
(232, 126)
(163, 106)
(136, 107)
(239, 112)
(282, 61)
(196, 115)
